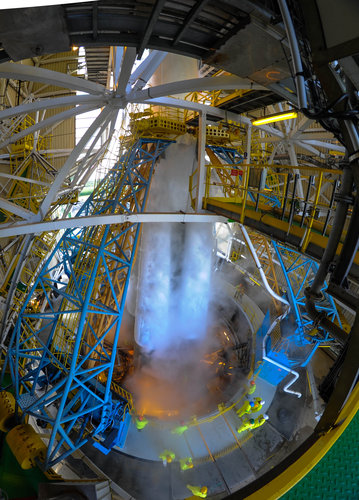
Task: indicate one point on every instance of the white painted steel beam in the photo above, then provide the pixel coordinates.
(193, 85)
(327, 145)
(24, 72)
(24, 179)
(309, 148)
(313, 135)
(145, 70)
(15, 209)
(117, 62)
(294, 161)
(63, 173)
(301, 126)
(98, 220)
(193, 106)
(89, 169)
(51, 103)
(47, 123)
(126, 68)
(83, 167)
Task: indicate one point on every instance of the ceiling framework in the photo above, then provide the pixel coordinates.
(128, 90)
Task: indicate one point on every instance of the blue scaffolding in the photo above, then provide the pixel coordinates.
(230, 156)
(299, 329)
(62, 356)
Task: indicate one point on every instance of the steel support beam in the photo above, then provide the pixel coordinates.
(145, 70)
(57, 102)
(24, 179)
(98, 261)
(99, 220)
(191, 16)
(64, 115)
(24, 72)
(125, 72)
(150, 25)
(193, 85)
(63, 173)
(15, 209)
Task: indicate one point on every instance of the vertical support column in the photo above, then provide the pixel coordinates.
(294, 162)
(201, 170)
(248, 145)
(117, 62)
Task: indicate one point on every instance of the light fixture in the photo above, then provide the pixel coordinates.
(286, 115)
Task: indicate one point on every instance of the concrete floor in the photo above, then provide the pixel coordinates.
(223, 459)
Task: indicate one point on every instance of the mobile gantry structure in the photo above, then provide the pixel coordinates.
(305, 232)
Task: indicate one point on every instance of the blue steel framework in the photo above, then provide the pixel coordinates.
(299, 271)
(59, 358)
(230, 156)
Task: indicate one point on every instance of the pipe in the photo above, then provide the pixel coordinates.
(349, 249)
(265, 358)
(314, 292)
(291, 382)
(335, 233)
(276, 321)
(320, 318)
(297, 62)
(259, 267)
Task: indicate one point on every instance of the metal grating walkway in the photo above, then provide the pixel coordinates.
(336, 476)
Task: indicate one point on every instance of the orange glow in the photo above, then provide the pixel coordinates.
(269, 73)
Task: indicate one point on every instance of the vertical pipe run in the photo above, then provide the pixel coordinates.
(330, 207)
(201, 170)
(311, 179)
(349, 249)
(306, 236)
(263, 176)
(297, 62)
(289, 178)
(336, 231)
(291, 212)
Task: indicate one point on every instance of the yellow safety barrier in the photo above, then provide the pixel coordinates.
(7, 410)
(268, 190)
(124, 394)
(26, 445)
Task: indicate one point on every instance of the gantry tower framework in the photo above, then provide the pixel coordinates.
(72, 362)
(112, 102)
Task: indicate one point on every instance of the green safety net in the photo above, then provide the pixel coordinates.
(336, 476)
